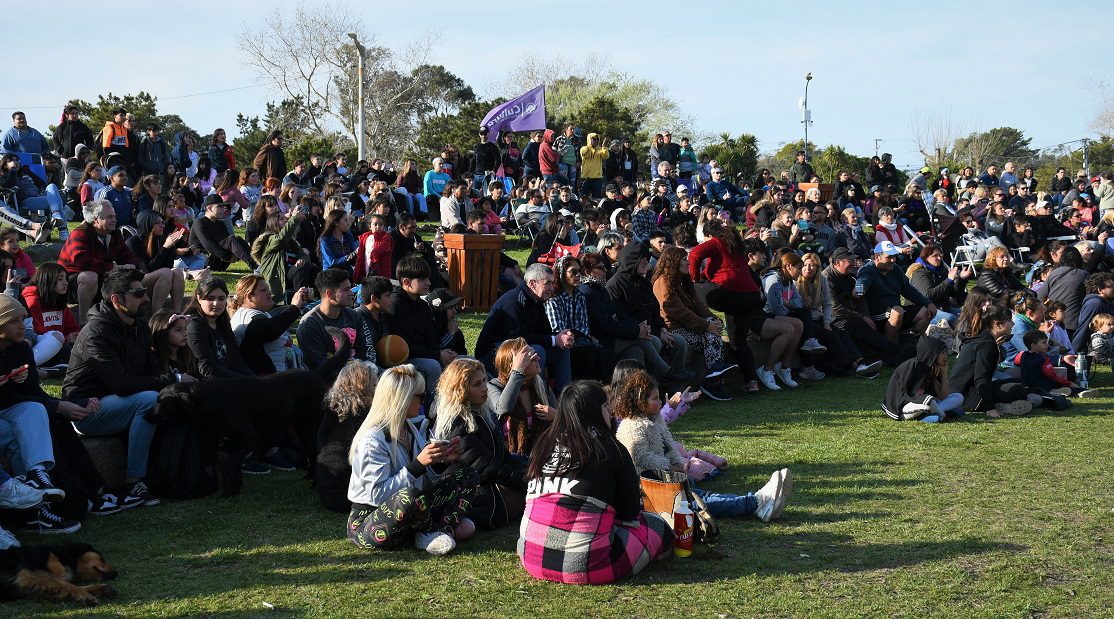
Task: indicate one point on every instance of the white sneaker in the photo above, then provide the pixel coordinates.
(7, 540)
(868, 368)
(17, 495)
(771, 499)
(811, 345)
(766, 377)
(786, 490)
(811, 373)
(435, 543)
(786, 376)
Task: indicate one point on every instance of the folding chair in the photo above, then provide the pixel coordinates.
(964, 255)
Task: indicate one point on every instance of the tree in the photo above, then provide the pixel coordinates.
(442, 94)
(834, 158)
(994, 147)
(300, 140)
(604, 116)
(142, 105)
(936, 136)
(735, 155)
(457, 129)
(301, 54)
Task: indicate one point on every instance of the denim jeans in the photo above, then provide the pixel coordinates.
(593, 187)
(51, 200)
(191, 262)
(119, 412)
(728, 505)
(558, 365)
(25, 436)
(430, 369)
(569, 171)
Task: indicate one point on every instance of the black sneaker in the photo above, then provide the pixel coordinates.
(251, 466)
(106, 504)
(46, 522)
(279, 462)
(139, 494)
(720, 368)
(40, 480)
(715, 392)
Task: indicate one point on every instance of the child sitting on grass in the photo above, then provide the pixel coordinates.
(1037, 372)
(1058, 341)
(918, 389)
(1101, 348)
(699, 464)
(645, 435)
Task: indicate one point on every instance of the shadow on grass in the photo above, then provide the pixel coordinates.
(777, 553)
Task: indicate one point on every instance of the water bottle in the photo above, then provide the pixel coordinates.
(1081, 370)
(859, 287)
(683, 518)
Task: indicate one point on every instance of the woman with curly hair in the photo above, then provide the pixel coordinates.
(346, 405)
(462, 409)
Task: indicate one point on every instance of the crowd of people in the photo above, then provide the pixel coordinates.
(633, 263)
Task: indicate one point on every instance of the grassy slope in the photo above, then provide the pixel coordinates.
(978, 518)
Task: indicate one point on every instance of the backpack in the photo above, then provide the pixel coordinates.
(183, 462)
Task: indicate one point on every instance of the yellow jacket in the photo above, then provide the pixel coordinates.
(592, 159)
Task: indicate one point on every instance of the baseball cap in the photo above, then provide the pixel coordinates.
(875, 188)
(611, 187)
(212, 199)
(842, 253)
(682, 189)
(566, 213)
(886, 247)
(441, 298)
(717, 170)
(114, 170)
(926, 170)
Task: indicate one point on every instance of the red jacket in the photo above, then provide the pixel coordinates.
(85, 251)
(45, 320)
(729, 272)
(23, 261)
(547, 157)
(380, 260)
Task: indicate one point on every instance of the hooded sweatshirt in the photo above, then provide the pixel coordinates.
(593, 158)
(907, 383)
(632, 291)
(547, 157)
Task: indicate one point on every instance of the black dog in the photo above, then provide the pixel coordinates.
(234, 407)
(48, 572)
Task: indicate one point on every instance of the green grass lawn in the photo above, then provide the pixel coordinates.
(978, 518)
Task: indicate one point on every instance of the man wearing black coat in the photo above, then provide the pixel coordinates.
(70, 133)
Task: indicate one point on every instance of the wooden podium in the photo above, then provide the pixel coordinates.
(827, 190)
(474, 268)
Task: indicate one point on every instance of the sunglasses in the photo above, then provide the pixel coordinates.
(138, 293)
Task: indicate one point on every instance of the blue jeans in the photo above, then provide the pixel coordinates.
(117, 413)
(728, 505)
(951, 314)
(560, 178)
(190, 262)
(25, 436)
(558, 364)
(569, 171)
(51, 200)
(430, 369)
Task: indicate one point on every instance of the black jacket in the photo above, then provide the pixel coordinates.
(69, 134)
(486, 453)
(1065, 284)
(412, 320)
(216, 351)
(606, 321)
(486, 157)
(261, 330)
(163, 258)
(906, 384)
(632, 291)
(999, 281)
(973, 372)
(112, 358)
(11, 392)
(518, 313)
(934, 284)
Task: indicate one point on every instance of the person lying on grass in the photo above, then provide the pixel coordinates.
(647, 438)
(395, 495)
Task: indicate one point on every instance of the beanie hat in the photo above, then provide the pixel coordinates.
(10, 309)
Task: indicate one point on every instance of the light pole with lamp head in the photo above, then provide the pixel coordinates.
(806, 114)
(360, 95)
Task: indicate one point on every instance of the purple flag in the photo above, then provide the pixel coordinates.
(523, 113)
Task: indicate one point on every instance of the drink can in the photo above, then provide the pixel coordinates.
(682, 532)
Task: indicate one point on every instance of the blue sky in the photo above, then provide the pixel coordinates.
(734, 66)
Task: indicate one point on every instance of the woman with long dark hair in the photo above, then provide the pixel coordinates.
(973, 373)
(209, 333)
(337, 247)
(158, 250)
(579, 451)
